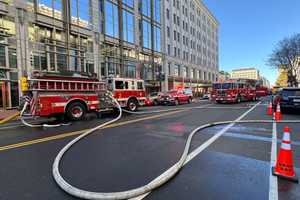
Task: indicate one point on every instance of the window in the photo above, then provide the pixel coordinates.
(157, 39)
(9, 24)
(200, 74)
(111, 19)
(169, 49)
(128, 26)
(176, 70)
(130, 70)
(119, 85)
(168, 31)
(51, 8)
(168, 14)
(185, 72)
(156, 10)
(2, 56)
(12, 54)
(140, 85)
(80, 12)
(174, 18)
(61, 59)
(146, 34)
(146, 8)
(129, 3)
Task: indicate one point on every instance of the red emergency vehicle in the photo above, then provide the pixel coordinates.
(74, 96)
(262, 91)
(234, 91)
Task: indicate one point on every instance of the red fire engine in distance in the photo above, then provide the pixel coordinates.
(234, 91)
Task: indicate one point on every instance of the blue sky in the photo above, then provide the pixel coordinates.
(250, 29)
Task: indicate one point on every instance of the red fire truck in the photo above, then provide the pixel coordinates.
(234, 91)
(74, 96)
(262, 91)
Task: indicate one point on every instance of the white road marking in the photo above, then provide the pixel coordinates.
(273, 182)
(198, 150)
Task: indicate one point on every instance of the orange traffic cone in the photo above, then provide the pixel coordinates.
(284, 167)
(270, 109)
(278, 115)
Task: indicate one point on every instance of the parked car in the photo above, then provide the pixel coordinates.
(153, 99)
(206, 96)
(176, 97)
(288, 98)
(189, 92)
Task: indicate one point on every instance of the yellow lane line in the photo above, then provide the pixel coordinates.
(65, 135)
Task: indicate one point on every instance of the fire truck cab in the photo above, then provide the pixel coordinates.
(130, 93)
(74, 96)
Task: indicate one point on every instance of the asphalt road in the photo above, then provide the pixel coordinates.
(226, 162)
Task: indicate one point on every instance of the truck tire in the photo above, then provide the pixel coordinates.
(132, 105)
(76, 111)
(189, 100)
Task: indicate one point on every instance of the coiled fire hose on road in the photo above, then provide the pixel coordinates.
(36, 125)
(80, 193)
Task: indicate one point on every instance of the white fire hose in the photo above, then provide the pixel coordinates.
(37, 125)
(80, 193)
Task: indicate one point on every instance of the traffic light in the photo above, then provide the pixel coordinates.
(24, 84)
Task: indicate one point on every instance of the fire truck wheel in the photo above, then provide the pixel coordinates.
(132, 105)
(76, 111)
(176, 102)
(189, 100)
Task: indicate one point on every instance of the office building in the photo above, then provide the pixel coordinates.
(104, 38)
(190, 43)
(245, 73)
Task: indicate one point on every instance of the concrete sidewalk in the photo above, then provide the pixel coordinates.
(6, 113)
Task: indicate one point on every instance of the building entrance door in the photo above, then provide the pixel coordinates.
(3, 95)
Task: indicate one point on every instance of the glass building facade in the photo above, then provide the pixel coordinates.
(122, 38)
(9, 95)
(132, 39)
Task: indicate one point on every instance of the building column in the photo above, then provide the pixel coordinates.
(165, 85)
(23, 52)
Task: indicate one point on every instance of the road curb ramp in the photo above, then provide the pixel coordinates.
(284, 167)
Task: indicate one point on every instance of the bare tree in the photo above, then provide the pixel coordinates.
(285, 56)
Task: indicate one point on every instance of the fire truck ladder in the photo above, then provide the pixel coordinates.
(50, 85)
(65, 85)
